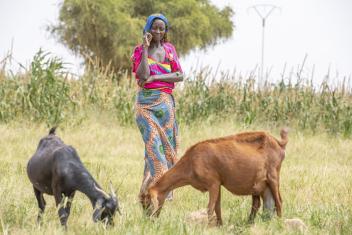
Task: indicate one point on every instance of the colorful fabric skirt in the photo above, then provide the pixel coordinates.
(156, 120)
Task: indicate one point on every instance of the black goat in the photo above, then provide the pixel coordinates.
(56, 169)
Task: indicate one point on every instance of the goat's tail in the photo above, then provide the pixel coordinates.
(52, 130)
(284, 137)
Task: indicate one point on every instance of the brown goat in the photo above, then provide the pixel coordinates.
(245, 164)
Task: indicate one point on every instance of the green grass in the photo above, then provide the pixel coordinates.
(316, 182)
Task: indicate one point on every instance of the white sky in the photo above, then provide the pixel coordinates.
(322, 29)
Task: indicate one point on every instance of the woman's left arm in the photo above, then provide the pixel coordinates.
(168, 77)
(176, 74)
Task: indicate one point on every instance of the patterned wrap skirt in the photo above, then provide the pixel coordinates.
(156, 120)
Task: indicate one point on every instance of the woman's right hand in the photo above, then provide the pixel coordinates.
(141, 82)
(147, 38)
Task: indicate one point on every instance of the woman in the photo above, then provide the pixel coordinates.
(156, 68)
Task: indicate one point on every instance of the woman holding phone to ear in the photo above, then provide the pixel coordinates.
(157, 69)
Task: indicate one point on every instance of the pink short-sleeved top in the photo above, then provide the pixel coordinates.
(171, 64)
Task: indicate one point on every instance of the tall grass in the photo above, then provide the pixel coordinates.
(306, 107)
(44, 94)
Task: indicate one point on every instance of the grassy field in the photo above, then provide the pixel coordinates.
(316, 182)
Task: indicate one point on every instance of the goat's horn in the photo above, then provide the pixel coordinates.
(112, 190)
(107, 196)
(146, 182)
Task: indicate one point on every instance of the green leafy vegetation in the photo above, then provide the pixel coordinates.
(45, 93)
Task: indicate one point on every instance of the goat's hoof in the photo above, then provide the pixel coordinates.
(64, 227)
(39, 221)
(219, 223)
(250, 221)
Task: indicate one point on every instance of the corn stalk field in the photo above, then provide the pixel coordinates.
(95, 115)
(46, 93)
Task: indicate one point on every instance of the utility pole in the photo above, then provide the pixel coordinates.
(263, 11)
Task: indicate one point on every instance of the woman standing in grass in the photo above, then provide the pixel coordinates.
(156, 68)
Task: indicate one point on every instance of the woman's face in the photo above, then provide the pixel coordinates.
(158, 30)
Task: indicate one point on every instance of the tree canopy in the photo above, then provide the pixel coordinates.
(108, 30)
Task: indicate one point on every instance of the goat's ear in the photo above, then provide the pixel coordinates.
(98, 210)
(155, 202)
(97, 214)
(146, 183)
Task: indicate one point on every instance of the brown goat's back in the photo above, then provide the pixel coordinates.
(240, 162)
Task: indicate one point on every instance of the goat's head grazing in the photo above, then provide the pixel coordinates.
(106, 207)
(145, 200)
(151, 201)
(150, 198)
(144, 195)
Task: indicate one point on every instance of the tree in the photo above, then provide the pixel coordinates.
(107, 30)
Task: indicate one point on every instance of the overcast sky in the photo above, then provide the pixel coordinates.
(322, 29)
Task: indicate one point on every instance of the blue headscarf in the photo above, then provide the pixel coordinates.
(151, 19)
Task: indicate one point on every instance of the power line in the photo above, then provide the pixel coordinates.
(263, 11)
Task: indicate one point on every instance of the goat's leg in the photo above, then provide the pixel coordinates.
(255, 208)
(41, 203)
(69, 203)
(274, 186)
(213, 197)
(278, 188)
(60, 203)
(218, 210)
